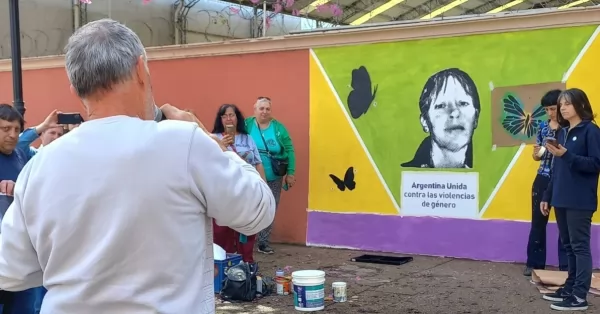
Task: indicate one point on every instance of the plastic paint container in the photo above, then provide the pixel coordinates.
(339, 292)
(541, 151)
(309, 290)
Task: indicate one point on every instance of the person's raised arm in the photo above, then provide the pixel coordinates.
(26, 138)
(19, 266)
(232, 191)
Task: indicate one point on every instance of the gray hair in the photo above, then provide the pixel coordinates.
(100, 55)
(260, 101)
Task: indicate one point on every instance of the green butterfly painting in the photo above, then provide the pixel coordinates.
(521, 125)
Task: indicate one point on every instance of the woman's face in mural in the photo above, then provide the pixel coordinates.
(452, 117)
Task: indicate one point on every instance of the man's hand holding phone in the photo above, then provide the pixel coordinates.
(173, 113)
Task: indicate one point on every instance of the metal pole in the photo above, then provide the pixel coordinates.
(264, 28)
(15, 49)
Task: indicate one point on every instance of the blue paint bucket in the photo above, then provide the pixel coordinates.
(309, 290)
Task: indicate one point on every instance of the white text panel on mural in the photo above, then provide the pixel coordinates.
(441, 194)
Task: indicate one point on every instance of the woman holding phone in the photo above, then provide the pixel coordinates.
(229, 127)
(536, 245)
(572, 192)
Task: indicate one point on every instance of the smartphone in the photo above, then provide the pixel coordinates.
(230, 129)
(69, 118)
(552, 141)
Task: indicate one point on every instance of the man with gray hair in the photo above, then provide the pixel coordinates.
(115, 216)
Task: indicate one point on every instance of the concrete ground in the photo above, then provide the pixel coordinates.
(425, 285)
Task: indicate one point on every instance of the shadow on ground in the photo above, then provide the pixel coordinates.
(426, 285)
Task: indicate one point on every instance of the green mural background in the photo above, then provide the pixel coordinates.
(391, 130)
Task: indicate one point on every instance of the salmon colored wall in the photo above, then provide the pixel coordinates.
(203, 84)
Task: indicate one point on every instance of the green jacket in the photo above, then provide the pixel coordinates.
(284, 139)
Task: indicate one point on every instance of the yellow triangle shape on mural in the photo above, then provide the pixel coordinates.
(334, 148)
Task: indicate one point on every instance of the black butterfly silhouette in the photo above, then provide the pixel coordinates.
(348, 180)
(362, 94)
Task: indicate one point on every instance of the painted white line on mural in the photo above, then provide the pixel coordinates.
(329, 246)
(501, 181)
(581, 54)
(360, 141)
(328, 211)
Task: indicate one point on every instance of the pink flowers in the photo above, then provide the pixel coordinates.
(332, 8)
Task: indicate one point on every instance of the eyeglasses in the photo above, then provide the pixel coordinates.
(263, 98)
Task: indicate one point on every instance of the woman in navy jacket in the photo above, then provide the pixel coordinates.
(573, 193)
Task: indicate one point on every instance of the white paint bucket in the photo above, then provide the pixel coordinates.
(309, 290)
(339, 292)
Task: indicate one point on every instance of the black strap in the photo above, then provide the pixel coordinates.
(263, 139)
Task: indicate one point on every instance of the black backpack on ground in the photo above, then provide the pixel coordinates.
(240, 283)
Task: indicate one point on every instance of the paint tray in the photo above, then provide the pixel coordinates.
(380, 259)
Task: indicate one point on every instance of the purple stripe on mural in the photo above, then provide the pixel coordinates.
(492, 240)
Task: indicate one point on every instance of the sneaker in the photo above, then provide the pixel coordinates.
(265, 249)
(557, 296)
(570, 304)
(527, 272)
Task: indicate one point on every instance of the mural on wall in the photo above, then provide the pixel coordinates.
(436, 136)
(339, 147)
(449, 110)
(517, 112)
(437, 94)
